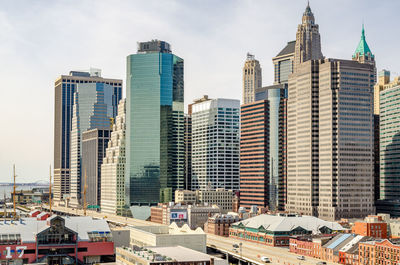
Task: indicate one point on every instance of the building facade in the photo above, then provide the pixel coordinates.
(94, 145)
(254, 154)
(188, 151)
(113, 167)
(155, 124)
(65, 87)
(215, 144)
(252, 79)
(389, 124)
(283, 63)
(93, 108)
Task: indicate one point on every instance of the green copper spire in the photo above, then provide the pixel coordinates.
(362, 48)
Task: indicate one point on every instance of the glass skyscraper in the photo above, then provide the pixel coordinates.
(65, 87)
(155, 124)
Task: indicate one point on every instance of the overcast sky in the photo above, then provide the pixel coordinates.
(40, 40)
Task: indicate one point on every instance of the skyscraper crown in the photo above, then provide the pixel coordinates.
(363, 48)
(308, 16)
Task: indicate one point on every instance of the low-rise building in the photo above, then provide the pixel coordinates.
(177, 255)
(221, 197)
(372, 226)
(276, 230)
(193, 215)
(379, 252)
(35, 195)
(218, 224)
(165, 236)
(57, 240)
(309, 246)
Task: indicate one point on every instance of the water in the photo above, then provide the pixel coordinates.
(9, 189)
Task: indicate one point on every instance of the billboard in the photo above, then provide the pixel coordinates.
(175, 215)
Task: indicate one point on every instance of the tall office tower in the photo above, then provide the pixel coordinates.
(302, 139)
(65, 87)
(383, 80)
(113, 167)
(346, 139)
(93, 108)
(188, 151)
(283, 63)
(155, 125)
(252, 78)
(308, 40)
(215, 144)
(254, 155)
(389, 143)
(94, 144)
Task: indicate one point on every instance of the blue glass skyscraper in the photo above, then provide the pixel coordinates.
(155, 124)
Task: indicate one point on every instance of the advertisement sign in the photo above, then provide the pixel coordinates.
(178, 215)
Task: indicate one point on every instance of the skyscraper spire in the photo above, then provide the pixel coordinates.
(308, 40)
(363, 53)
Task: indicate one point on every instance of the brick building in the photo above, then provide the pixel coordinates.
(218, 224)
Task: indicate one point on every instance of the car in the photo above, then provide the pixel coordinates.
(235, 245)
(265, 259)
(301, 258)
(321, 263)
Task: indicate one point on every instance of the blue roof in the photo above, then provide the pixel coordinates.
(339, 241)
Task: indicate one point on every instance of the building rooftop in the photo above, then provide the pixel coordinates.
(289, 49)
(289, 222)
(363, 48)
(27, 228)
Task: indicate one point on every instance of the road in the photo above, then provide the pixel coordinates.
(254, 251)
(250, 251)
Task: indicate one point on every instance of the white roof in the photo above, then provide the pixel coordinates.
(181, 254)
(288, 223)
(29, 227)
(351, 243)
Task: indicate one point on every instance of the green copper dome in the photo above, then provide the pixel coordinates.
(362, 47)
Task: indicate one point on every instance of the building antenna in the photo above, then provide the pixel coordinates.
(50, 201)
(84, 196)
(14, 212)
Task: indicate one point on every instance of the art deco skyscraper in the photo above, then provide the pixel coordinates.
(65, 87)
(155, 125)
(308, 40)
(252, 78)
(113, 167)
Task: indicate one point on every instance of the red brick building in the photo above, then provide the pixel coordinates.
(383, 252)
(372, 229)
(219, 224)
(254, 159)
(309, 246)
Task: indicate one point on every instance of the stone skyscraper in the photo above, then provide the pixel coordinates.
(65, 87)
(113, 167)
(308, 40)
(252, 79)
(155, 125)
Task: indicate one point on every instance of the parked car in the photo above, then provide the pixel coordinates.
(235, 245)
(265, 259)
(301, 258)
(321, 263)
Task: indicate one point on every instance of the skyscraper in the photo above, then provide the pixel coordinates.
(308, 40)
(346, 139)
(188, 151)
(93, 108)
(283, 63)
(94, 144)
(302, 139)
(155, 124)
(389, 141)
(254, 154)
(65, 87)
(252, 78)
(113, 167)
(215, 144)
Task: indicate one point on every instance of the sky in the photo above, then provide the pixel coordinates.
(40, 40)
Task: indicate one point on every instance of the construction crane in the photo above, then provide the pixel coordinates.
(15, 211)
